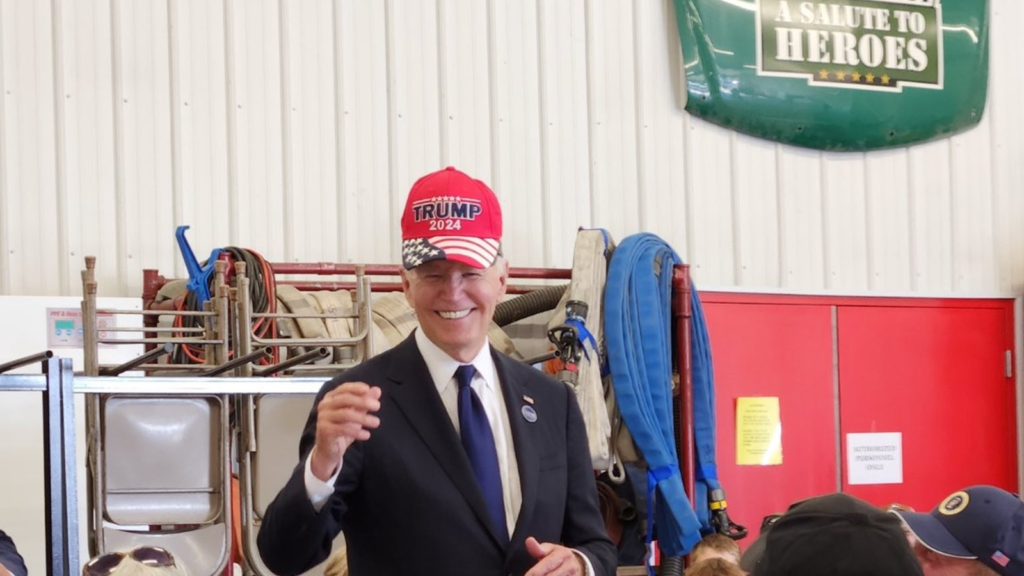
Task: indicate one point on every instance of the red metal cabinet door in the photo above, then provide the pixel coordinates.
(937, 375)
(779, 350)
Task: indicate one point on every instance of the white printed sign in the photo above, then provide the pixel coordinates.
(874, 458)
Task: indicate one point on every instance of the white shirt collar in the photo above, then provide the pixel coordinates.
(442, 366)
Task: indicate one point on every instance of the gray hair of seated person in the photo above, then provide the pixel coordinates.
(965, 566)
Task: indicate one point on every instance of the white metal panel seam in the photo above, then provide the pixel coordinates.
(639, 114)
(6, 270)
(60, 144)
(120, 194)
(394, 194)
(444, 138)
(826, 241)
(174, 69)
(287, 151)
(341, 160)
(588, 26)
(734, 209)
(492, 96)
(231, 123)
(544, 118)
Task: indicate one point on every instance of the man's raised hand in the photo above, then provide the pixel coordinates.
(344, 415)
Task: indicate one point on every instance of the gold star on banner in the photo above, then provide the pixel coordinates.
(823, 74)
(856, 76)
(870, 78)
(840, 75)
(885, 78)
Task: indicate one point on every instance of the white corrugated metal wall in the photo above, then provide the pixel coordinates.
(296, 127)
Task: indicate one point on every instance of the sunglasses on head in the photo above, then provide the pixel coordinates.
(147, 555)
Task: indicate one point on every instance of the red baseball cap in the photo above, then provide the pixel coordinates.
(450, 215)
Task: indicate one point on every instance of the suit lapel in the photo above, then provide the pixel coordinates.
(524, 442)
(418, 400)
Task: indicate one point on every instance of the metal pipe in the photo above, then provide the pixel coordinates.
(137, 361)
(151, 332)
(353, 340)
(544, 357)
(221, 305)
(244, 301)
(94, 451)
(241, 360)
(329, 370)
(241, 300)
(151, 283)
(156, 312)
(70, 457)
(303, 358)
(25, 361)
(166, 367)
(329, 268)
(366, 304)
(54, 468)
(304, 286)
(90, 334)
(683, 313)
(155, 341)
(164, 385)
(222, 326)
(334, 315)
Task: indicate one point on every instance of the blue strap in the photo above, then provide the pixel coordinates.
(582, 334)
(653, 477)
(652, 483)
(638, 297)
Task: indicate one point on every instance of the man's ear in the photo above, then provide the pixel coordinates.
(404, 275)
(504, 275)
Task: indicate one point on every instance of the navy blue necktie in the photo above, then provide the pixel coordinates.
(478, 440)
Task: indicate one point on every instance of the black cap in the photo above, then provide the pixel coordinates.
(754, 551)
(981, 523)
(834, 534)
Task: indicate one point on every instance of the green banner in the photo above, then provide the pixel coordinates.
(837, 74)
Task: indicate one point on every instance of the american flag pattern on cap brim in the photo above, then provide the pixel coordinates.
(479, 252)
(1000, 558)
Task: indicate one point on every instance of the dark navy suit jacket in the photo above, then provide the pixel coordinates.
(9, 556)
(407, 499)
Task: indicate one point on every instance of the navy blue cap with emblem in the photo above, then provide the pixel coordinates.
(981, 523)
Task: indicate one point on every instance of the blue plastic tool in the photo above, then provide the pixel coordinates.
(198, 276)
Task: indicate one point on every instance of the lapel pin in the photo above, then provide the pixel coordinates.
(528, 399)
(529, 414)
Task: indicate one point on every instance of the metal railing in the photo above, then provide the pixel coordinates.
(59, 472)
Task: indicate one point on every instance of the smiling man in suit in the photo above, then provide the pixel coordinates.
(443, 456)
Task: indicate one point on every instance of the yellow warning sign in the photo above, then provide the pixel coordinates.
(758, 431)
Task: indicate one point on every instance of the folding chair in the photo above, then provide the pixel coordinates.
(159, 471)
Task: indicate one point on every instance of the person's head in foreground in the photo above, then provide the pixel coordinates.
(454, 274)
(714, 567)
(834, 535)
(977, 531)
(141, 561)
(715, 546)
